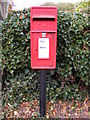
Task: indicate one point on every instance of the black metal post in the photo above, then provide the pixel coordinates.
(43, 92)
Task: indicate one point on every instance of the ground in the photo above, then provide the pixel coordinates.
(59, 109)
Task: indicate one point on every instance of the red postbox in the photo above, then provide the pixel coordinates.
(43, 37)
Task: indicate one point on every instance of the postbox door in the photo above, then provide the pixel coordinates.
(43, 50)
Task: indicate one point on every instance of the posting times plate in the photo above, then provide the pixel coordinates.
(43, 48)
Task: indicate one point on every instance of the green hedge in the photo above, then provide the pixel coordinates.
(20, 83)
(73, 46)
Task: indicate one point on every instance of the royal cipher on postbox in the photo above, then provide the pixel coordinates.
(43, 37)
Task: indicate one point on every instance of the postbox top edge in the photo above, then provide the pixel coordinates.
(43, 7)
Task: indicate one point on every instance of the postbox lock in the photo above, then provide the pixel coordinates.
(43, 34)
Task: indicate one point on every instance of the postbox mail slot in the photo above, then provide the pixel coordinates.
(43, 19)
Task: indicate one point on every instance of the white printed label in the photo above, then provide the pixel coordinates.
(43, 48)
